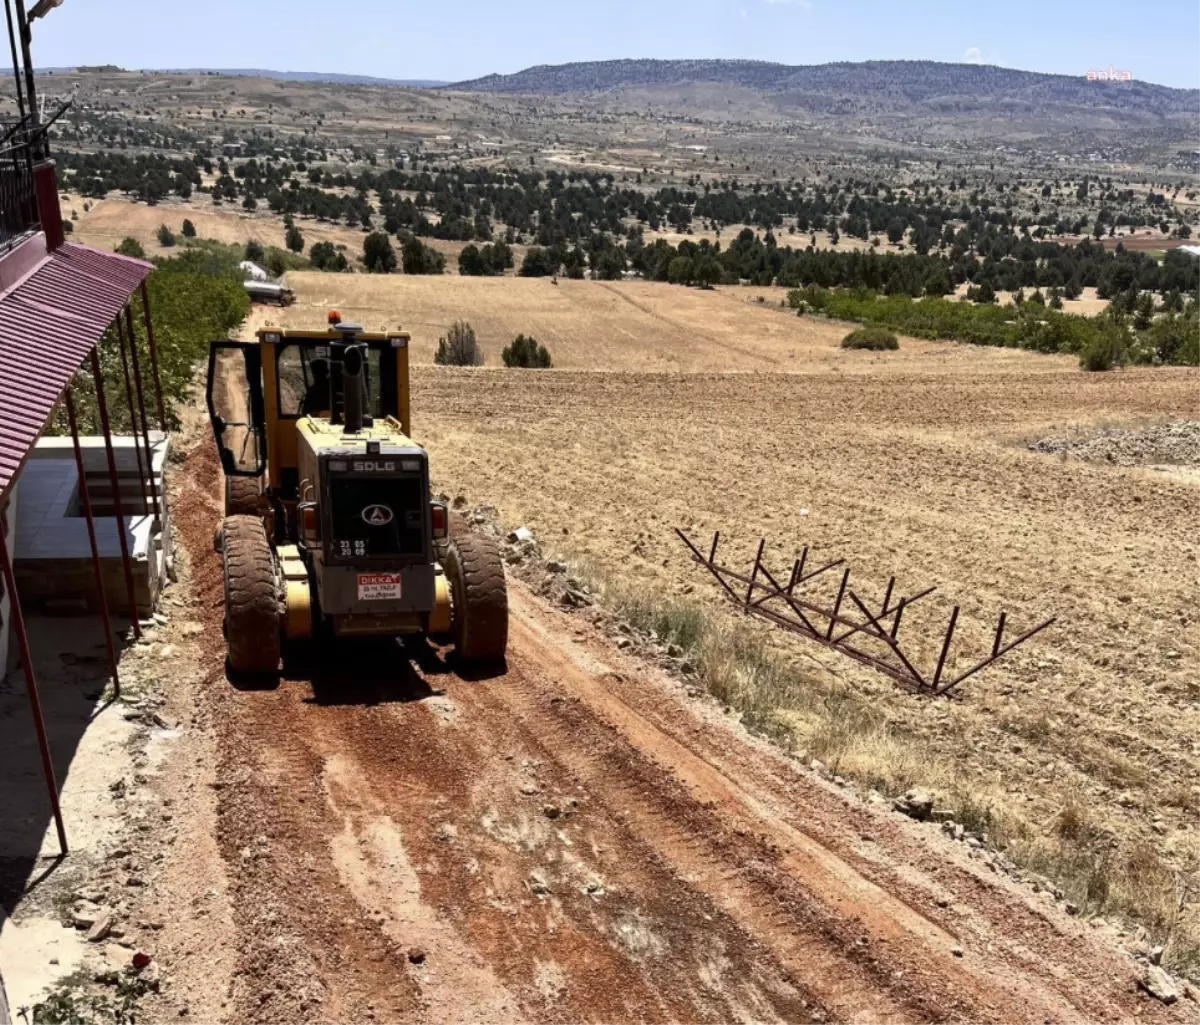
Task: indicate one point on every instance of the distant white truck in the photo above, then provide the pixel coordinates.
(266, 292)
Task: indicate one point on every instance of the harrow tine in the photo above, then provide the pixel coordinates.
(884, 636)
(1002, 651)
(792, 603)
(897, 608)
(837, 605)
(906, 674)
(937, 676)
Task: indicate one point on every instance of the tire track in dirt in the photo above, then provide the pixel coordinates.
(567, 842)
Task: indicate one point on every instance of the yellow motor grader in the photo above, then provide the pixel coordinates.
(330, 529)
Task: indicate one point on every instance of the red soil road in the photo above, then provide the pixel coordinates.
(575, 840)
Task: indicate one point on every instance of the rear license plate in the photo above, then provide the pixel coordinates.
(378, 586)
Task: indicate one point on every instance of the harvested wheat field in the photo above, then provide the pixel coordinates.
(111, 220)
(1077, 751)
(627, 325)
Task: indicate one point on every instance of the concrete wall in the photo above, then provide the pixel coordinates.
(52, 553)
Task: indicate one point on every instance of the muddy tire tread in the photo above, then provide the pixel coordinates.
(243, 496)
(251, 597)
(480, 595)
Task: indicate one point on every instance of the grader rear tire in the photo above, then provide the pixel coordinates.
(480, 598)
(251, 597)
(243, 496)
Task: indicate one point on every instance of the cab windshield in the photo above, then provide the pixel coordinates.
(310, 380)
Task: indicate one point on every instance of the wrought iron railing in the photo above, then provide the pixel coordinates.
(18, 199)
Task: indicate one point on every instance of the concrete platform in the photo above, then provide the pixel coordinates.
(52, 553)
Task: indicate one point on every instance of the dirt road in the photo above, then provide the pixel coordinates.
(577, 840)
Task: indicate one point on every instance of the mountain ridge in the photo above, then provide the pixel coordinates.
(896, 83)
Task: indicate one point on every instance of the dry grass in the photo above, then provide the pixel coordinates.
(627, 325)
(802, 712)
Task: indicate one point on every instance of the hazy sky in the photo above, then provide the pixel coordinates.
(457, 39)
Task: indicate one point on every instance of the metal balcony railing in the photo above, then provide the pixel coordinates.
(18, 200)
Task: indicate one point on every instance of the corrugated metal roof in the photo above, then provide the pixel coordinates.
(48, 325)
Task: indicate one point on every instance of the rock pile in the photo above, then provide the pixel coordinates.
(1176, 443)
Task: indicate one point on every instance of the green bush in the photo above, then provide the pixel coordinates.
(458, 347)
(418, 258)
(378, 254)
(525, 352)
(195, 297)
(131, 247)
(166, 237)
(323, 256)
(538, 263)
(877, 339)
(1105, 350)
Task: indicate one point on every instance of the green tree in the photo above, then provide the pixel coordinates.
(938, 283)
(708, 272)
(1143, 311)
(538, 263)
(166, 237)
(295, 239)
(378, 254)
(895, 230)
(471, 262)
(525, 352)
(458, 347)
(189, 229)
(680, 271)
(323, 256)
(131, 247)
(610, 265)
(419, 258)
(254, 251)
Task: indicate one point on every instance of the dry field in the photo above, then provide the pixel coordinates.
(111, 220)
(629, 325)
(910, 463)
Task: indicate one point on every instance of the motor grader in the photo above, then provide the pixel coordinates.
(330, 530)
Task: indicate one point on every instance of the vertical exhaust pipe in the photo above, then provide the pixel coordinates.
(352, 388)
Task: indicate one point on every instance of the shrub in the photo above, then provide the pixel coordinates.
(525, 352)
(323, 256)
(295, 239)
(538, 263)
(131, 247)
(378, 254)
(277, 261)
(189, 229)
(458, 347)
(877, 339)
(254, 251)
(166, 237)
(418, 258)
(1104, 350)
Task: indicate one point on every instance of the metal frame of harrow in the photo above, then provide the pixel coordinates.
(761, 587)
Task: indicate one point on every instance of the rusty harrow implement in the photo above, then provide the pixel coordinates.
(763, 595)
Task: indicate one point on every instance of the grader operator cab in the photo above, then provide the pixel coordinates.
(330, 529)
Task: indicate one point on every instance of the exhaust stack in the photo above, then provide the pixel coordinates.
(352, 388)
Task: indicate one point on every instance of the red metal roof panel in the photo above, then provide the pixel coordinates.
(48, 325)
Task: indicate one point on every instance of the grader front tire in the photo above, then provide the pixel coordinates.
(480, 598)
(243, 496)
(251, 597)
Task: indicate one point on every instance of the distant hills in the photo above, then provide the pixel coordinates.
(874, 86)
(287, 76)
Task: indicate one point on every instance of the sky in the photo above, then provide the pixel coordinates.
(452, 40)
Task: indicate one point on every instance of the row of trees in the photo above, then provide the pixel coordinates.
(1173, 336)
(1065, 270)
